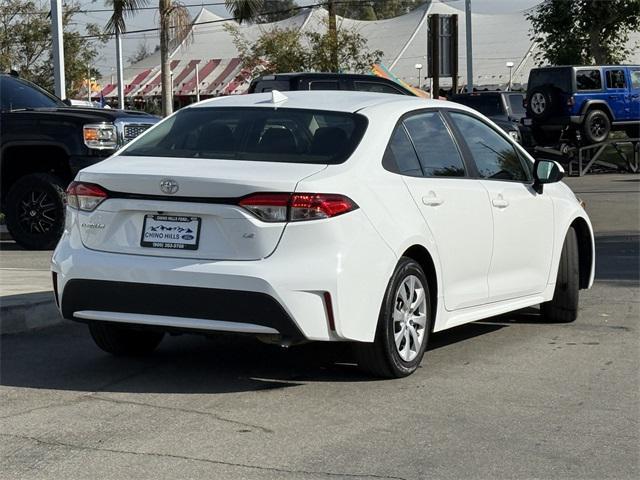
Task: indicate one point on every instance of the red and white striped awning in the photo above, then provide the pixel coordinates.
(216, 77)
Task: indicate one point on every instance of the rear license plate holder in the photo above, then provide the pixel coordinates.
(174, 232)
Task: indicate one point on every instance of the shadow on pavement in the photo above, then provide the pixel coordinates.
(618, 257)
(65, 358)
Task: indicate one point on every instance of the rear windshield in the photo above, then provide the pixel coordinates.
(489, 105)
(258, 134)
(559, 78)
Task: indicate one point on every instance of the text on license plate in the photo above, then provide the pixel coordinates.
(170, 231)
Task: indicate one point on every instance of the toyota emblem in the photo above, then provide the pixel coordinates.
(168, 186)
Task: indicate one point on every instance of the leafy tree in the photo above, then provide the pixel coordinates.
(276, 10)
(142, 52)
(289, 50)
(582, 32)
(26, 43)
(376, 9)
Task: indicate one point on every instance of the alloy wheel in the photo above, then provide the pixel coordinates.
(37, 212)
(409, 317)
(538, 103)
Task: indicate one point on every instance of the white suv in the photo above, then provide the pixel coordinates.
(324, 216)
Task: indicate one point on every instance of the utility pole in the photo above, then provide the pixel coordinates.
(119, 72)
(333, 34)
(89, 82)
(58, 49)
(197, 83)
(467, 15)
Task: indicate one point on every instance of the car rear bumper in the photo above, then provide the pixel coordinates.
(177, 307)
(322, 283)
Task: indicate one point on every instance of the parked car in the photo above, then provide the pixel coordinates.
(506, 109)
(43, 144)
(586, 103)
(319, 216)
(326, 81)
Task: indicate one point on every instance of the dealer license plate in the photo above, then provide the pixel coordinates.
(170, 231)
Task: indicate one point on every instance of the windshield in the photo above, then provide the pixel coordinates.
(489, 105)
(259, 134)
(16, 94)
(515, 104)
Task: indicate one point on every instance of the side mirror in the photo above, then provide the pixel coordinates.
(67, 102)
(546, 171)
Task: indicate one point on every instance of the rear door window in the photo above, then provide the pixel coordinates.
(615, 79)
(494, 156)
(324, 85)
(437, 151)
(635, 79)
(375, 87)
(588, 80)
(259, 134)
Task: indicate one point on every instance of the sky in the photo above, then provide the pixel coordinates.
(148, 19)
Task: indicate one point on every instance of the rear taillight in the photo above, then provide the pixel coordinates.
(85, 196)
(296, 207)
(571, 101)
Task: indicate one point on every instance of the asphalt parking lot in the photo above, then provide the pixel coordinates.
(509, 397)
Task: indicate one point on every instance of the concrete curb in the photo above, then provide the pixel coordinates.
(30, 311)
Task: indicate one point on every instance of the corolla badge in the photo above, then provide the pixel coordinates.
(169, 186)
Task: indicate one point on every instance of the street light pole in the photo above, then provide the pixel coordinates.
(419, 68)
(467, 14)
(58, 49)
(119, 70)
(510, 67)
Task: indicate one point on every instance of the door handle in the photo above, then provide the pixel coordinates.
(432, 200)
(500, 202)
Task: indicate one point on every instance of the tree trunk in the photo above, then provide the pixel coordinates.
(165, 67)
(598, 53)
(333, 35)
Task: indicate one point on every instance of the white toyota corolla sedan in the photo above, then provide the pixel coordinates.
(319, 216)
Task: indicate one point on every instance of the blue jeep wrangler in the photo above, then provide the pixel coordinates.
(583, 104)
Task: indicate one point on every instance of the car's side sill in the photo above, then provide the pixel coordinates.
(174, 322)
(460, 317)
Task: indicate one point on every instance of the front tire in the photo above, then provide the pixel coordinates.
(122, 341)
(563, 307)
(403, 325)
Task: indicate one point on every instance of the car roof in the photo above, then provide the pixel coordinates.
(332, 100)
(282, 76)
(378, 105)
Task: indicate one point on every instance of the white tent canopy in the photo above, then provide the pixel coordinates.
(497, 39)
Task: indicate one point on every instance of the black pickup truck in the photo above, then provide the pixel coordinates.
(43, 144)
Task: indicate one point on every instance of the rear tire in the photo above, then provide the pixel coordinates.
(403, 325)
(35, 208)
(596, 127)
(563, 308)
(123, 341)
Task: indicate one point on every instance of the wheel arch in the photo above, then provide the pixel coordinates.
(586, 252)
(597, 104)
(424, 258)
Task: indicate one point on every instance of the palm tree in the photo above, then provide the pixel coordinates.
(175, 27)
(116, 25)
